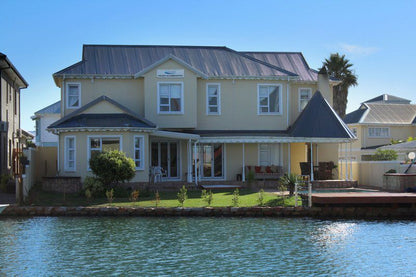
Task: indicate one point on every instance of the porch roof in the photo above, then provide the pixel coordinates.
(318, 120)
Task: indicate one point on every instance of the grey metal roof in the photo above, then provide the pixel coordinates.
(211, 61)
(291, 61)
(54, 108)
(319, 120)
(102, 120)
(404, 146)
(388, 99)
(379, 113)
(10, 69)
(210, 133)
(77, 113)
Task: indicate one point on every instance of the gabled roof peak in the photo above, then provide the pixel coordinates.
(388, 99)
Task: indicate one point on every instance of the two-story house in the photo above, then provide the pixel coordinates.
(43, 118)
(377, 122)
(11, 82)
(187, 109)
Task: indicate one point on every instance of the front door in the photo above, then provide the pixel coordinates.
(166, 155)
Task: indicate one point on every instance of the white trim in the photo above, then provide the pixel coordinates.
(66, 154)
(158, 98)
(207, 106)
(299, 98)
(175, 135)
(268, 139)
(66, 95)
(287, 102)
(280, 104)
(120, 137)
(141, 149)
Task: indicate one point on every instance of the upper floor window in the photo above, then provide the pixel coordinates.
(70, 154)
(269, 99)
(73, 95)
(213, 99)
(170, 97)
(305, 95)
(378, 132)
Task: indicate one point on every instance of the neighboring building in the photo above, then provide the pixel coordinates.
(159, 104)
(12, 138)
(377, 122)
(43, 118)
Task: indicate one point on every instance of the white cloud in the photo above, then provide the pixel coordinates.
(358, 50)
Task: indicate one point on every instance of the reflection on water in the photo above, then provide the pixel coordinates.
(205, 247)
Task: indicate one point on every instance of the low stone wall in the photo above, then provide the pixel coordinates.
(62, 184)
(315, 212)
(398, 182)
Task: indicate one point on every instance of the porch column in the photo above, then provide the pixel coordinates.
(351, 162)
(341, 175)
(189, 174)
(312, 162)
(288, 159)
(346, 162)
(196, 166)
(243, 178)
(317, 155)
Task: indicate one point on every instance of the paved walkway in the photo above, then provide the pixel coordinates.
(7, 198)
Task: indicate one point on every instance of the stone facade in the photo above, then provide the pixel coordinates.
(62, 184)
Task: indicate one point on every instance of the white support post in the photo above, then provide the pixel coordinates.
(346, 162)
(196, 164)
(309, 194)
(243, 177)
(189, 174)
(341, 175)
(312, 177)
(296, 194)
(289, 169)
(317, 155)
(351, 162)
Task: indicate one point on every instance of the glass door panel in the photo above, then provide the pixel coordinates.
(218, 158)
(207, 161)
(173, 159)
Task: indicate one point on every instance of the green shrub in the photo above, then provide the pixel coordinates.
(112, 167)
(235, 199)
(4, 180)
(94, 186)
(289, 181)
(182, 195)
(110, 195)
(384, 155)
(391, 171)
(260, 198)
(207, 196)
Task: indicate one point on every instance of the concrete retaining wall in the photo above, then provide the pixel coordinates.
(315, 212)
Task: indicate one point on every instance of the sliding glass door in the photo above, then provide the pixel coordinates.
(166, 155)
(212, 160)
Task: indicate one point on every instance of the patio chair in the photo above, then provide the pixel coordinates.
(158, 173)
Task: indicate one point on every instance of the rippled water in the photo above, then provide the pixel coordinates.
(205, 247)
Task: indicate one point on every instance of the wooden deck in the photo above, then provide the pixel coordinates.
(363, 198)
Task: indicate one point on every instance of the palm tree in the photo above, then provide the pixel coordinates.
(339, 67)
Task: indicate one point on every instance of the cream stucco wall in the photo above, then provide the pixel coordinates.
(127, 92)
(127, 146)
(187, 119)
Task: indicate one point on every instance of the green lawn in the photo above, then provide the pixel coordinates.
(221, 198)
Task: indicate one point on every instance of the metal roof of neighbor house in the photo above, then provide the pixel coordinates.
(102, 120)
(319, 120)
(54, 108)
(6, 64)
(216, 133)
(291, 61)
(388, 99)
(208, 61)
(378, 113)
(404, 146)
(129, 117)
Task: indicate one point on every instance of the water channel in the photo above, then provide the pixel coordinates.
(77, 246)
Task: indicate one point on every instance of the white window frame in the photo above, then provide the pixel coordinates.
(141, 149)
(259, 112)
(101, 145)
(67, 95)
(67, 168)
(158, 98)
(381, 136)
(300, 99)
(218, 99)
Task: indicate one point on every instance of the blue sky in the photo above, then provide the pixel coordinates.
(378, 37)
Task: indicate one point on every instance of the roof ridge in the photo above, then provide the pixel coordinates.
(155, 45)
(263, 62)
